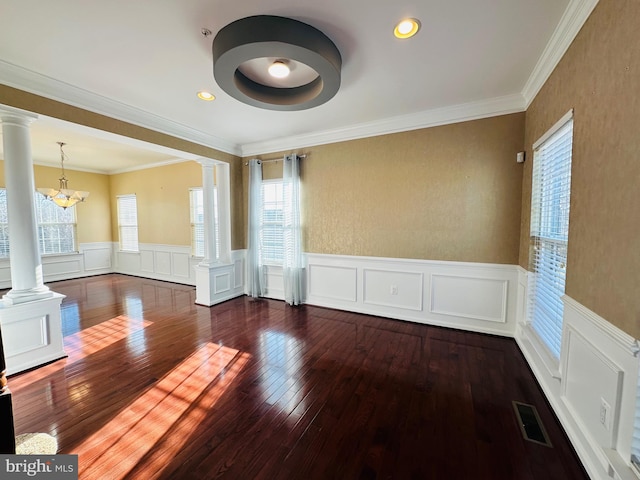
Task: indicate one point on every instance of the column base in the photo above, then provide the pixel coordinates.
(32, 332)
(15, 297)
(216, 283)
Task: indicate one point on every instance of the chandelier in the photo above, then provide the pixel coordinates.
(63, 196)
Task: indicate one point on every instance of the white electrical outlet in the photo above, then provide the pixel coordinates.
(605, 413)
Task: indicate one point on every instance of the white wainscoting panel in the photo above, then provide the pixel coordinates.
(585, 366)
(97, 257)
(181, 266)
(147, 260)
(162, 263)
(598, 362)
(331, 282)
(217, 283)
(172, 263)
(32, 333)
(475, 298)
(91, 259)
(387, 288)
(68, 266)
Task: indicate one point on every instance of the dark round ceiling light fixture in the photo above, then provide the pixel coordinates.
(304, 63)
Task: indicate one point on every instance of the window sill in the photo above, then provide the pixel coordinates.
(622, 470)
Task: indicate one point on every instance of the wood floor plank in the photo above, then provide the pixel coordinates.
(155, 386)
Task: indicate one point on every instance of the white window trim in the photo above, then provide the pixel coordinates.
(137, 250)
(545, 353)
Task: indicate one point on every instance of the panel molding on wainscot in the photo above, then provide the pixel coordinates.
(422, 291)
(171, 263)
(90, 259)
(598, 367)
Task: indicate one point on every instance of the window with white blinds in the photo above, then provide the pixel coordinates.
(549, 234)
(56, 226)
(128, 222)
(272, 222)
(197, 221)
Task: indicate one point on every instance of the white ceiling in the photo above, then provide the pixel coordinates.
(144, 61)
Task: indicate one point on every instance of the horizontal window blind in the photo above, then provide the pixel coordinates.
(56, 226)
(272, 222)
(551, 187)
(128, 222)
(197, 221)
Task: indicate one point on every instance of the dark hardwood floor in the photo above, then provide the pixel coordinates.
(157, 387)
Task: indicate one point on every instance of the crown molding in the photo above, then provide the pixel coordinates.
(429, 118)
(573, 18)
(32, 82)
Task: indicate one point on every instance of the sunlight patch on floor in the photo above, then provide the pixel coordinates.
(149, 432)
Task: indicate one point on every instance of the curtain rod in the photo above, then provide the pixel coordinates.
(278, 159)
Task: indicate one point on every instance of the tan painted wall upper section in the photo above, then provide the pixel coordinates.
(599, 77)
(444, 193)
(93, 215)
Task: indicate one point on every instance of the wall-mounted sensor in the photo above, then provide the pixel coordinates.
(520, 157)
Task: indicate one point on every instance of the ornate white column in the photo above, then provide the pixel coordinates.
(26, 265)
(218, 278)
(224, 212)
(30, 312)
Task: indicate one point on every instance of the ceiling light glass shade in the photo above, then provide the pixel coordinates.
(279, 70)
(63, 196)
(407, 28)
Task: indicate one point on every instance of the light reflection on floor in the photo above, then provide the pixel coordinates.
(80, 345)
(162, 418)
(280, 362)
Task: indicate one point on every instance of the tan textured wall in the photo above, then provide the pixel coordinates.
(44, 106)
(90, 215)
(162, 196)
(444, 193)
(599, 77)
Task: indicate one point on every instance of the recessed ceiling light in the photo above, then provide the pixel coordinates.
(204, 95)
(407, 28)
(279, 69)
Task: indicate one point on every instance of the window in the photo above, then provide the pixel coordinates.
(551, 188)
(272, 222)
(56, 226)
(197, 221)
(128, 223)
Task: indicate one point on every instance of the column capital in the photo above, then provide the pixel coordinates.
(16, 116)
(207, 162)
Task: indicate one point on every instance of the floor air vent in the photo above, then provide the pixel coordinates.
(530, 424)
